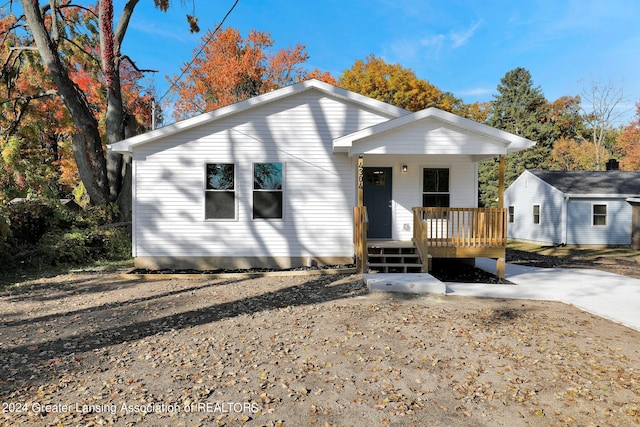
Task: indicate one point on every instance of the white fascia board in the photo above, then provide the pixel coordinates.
(599, 196)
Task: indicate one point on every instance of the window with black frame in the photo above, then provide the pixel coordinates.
(435, 188)
(220, 195)
(268, 197)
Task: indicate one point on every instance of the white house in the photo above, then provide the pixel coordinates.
(273, 180)
(573, 208)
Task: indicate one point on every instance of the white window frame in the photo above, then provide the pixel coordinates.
(282, 190)
(511, 214)
(235, 192)
(533, 215)
(593, 214)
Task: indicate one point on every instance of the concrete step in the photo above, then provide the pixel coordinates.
(421, 283)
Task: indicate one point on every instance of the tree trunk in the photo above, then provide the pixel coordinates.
(114, 118)
(87, 149)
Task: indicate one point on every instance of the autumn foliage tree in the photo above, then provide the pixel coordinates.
(37, 128)
(33, 122)
(58, 29)
(629, 143)
(396, 85)
(229, 68)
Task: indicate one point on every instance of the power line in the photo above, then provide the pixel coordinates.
(184, 71)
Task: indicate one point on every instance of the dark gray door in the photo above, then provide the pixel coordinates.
(377, 199)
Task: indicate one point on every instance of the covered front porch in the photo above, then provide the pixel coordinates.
(417, 181)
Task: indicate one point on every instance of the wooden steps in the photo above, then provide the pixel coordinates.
(393, 257)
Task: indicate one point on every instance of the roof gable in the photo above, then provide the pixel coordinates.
(127, 145)
(623, 183)
(432, 124)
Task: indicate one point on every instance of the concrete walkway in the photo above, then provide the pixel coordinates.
(608, 295)
(605, 294)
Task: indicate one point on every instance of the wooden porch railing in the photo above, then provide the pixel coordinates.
(360, 226)
(459, 228)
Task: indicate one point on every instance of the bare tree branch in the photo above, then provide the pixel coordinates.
(135, 67)
(600, 111)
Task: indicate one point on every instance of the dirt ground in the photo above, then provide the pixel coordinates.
(621, 260)
(93, 349)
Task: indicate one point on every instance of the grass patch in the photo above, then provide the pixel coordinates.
(584, 253)
(21, 276)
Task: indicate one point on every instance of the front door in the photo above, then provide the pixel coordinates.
(377, 199)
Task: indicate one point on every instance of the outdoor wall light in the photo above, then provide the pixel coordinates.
(404, 168)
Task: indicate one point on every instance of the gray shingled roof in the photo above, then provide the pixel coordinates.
(592, 182)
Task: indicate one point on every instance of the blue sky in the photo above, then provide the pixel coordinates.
(461, 46)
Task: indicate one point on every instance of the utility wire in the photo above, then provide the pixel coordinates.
(184, 71)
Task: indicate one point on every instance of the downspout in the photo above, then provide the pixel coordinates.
(563, 219)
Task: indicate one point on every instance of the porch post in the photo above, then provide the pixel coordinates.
(360, 180)
(361, 222)
(500, 262)
(501, 182)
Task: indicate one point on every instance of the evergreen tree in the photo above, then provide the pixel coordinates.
(519, 108)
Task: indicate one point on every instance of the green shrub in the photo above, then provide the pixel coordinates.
(39, 233)
(82, 246)
(29, 219)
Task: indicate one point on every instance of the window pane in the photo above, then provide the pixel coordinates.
(267, 176)
(599, 209)
(599, 220)
(443, 180)
(511, 213)
(220, 205)
(435, 200)
(220, 176)
(267, 204)
(376, 177)
(435, 181)
(430, 180)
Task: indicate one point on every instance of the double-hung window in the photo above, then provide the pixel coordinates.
(536, 214)
(512, 214)
(435, 188)
(268, 197)
(220, 194)
(599, 214)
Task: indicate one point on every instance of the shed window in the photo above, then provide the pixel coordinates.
(267, 191)
(536, 214)
(435, 188)
(511, 214)
(599, 214)
(220, 195)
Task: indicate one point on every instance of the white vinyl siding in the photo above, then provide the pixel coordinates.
(296, 131)
(581, 231)
(527, 191)
(429, 137)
